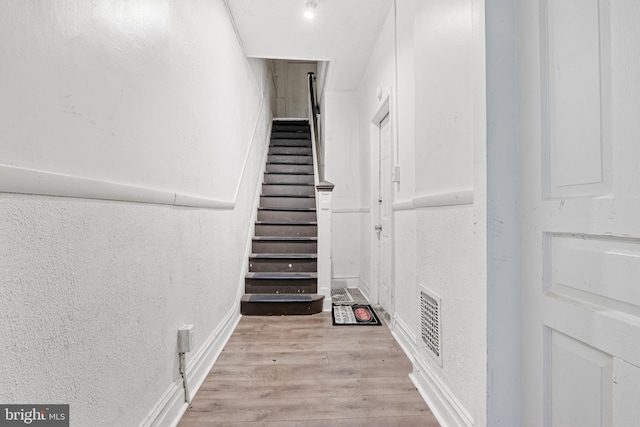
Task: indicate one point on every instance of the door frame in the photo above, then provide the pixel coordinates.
(385, 109)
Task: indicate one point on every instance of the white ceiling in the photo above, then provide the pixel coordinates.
(343, 32)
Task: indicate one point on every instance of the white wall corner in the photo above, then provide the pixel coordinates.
(447, 409)
(171, 406)
(345, 282)
(364, 288)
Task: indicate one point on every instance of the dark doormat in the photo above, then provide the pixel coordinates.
(354, 315)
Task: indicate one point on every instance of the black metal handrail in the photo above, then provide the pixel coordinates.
(314, 110)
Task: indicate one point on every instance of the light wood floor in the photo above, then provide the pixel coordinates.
(300, 371)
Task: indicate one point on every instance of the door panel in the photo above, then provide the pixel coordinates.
(580, 210)
(626, 389)
(578, 373)
(577, 83)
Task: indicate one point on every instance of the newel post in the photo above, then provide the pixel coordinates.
(325, 190)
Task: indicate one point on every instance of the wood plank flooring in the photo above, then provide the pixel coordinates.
(300, 371)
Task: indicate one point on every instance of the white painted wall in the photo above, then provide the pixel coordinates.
(340, 132)
(502, 200)
(380, 73)
(148, 94)
(436, 90)
(449, 55)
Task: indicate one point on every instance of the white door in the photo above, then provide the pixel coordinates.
(298, 88)
(385, 288)
(579, 77)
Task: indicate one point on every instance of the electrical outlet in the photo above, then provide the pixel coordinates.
(185, 338)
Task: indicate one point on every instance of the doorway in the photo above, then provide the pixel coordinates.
(292, 88)
(382, 244)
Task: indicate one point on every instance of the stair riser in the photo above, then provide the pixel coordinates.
(292, 122)
(303, 151)
(290, 128)
(288, 190)
(287, 202)
(303, 169)
(290, 135)
(305, 286)
(280, 309)
(285, 159)
(284, 247)
(287, 230)
(271, 178)
(276, 142)
(260, 265)
(286, 216)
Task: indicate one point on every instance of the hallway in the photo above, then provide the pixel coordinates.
(482, 158)
(301, 371)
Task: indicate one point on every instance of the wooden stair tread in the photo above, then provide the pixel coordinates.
(299, 196)
(286, 238)
(293, 184)
(289, 173)
(286, 223)
(281, 275)
(282, 256)
(286, 209)
(281, 297)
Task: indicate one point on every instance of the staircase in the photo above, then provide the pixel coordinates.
(282, 278)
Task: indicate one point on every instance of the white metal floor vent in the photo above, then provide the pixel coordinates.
(430, 323)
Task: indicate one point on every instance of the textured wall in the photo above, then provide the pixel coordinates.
(127, 91)
(439, 136)
(451, 252)
(343, 170)
(380, 73)
(150, 93)
(445, 80)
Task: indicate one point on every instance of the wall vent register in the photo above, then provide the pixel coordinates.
(430, 324)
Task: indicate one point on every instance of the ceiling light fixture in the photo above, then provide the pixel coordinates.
(310, 8)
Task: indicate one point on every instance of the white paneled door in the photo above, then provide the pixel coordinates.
(385, 289)
(579, 73)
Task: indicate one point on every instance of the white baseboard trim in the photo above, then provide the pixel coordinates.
(327, 304)
(365, 289)
(448, 410)
(171, 406)
(404, 336)
(345, 282)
